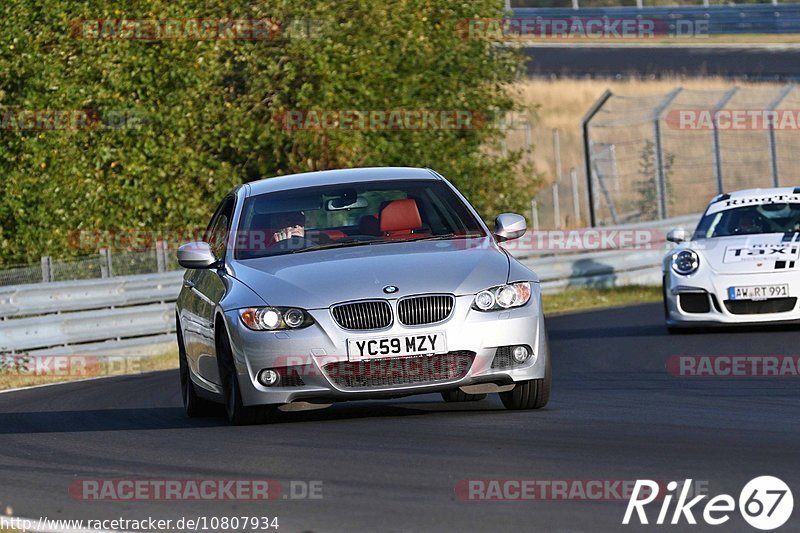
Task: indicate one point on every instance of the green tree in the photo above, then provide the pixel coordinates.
(207, 109)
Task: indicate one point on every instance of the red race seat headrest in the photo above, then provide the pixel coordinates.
(400, 215)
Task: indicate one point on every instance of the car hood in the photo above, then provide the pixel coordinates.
(766, 252)
(318, 279)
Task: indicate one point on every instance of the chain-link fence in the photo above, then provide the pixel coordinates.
(107, 263)
(560, 205)
(659, 156)
(20, 274)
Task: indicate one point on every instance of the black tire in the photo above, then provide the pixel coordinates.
(457, 395)
(194, 405)
(531, 394)
(237, 413)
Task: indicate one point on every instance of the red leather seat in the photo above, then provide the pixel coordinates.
(400, 218)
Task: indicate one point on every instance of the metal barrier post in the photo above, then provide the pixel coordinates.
(587, 151)
(661, 179)
(47, 269)
(556, 207)
(773, 142)
(715, 137)
(161, 256)
(106, 267)
(576, 202)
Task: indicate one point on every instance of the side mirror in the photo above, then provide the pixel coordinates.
(509, 226)
(678, 236)
(196, 255)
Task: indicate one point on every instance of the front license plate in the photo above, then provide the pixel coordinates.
(758, 292)
(424, 343)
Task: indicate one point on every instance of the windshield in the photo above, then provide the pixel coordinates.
(340, 215)
(751, 220)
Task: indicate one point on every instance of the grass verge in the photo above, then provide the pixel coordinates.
(585, 299)
(16, 371)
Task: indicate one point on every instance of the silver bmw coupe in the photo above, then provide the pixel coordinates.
(352, 284)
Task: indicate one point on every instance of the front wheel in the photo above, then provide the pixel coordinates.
(238, 414)
(531, 394)
(194, 405)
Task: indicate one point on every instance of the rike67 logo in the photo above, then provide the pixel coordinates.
(765, 503)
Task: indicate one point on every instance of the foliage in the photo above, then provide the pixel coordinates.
(200, 114)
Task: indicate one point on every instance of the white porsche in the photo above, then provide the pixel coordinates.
(741, 265)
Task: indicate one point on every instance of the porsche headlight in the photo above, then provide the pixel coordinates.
(274, 318)
(503, 297)
(685, 262)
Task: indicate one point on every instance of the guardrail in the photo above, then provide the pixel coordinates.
(720, 20)
(103, 316)
(609, 267)
(66, 296)
(89, 316)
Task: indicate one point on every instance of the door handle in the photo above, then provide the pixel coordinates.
(188, 283)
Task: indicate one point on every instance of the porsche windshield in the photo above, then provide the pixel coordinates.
(340, 215)
(751, 220)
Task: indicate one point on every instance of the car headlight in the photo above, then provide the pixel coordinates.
(274, 318)
(503, 297)
(685, 262)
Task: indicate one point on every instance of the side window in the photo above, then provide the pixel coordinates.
(218, 229)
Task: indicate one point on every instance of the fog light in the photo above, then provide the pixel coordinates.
(521, 354)
(268, 378)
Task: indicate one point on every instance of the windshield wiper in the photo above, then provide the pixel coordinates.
(338, 244)
(435, 237)
(443, 237)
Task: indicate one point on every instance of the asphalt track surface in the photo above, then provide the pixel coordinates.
(759, 63)
(615, 414)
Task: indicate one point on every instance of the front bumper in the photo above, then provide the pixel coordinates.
(307, 352)
(702, 300)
